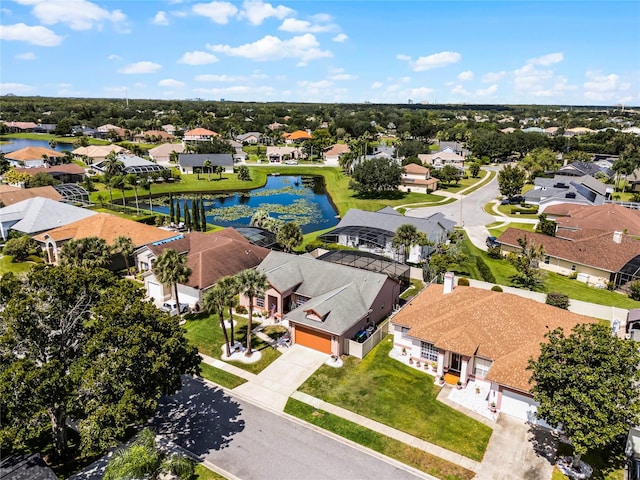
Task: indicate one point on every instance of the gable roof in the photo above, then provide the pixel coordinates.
(337, 149)
(39, 214)
(32, 153)
(108, 227)
(166, 149)
(98, 150)
(339, 294)
(212, 256)
(446, 156)
(415, 169)
(502, 327)
(593, 248)
(200, 132)
(298, 135)
(10, 195)
(69, 168)
(198, 159)
(608, 217)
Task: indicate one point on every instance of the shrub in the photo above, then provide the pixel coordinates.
(494, 252)
(241, 310)
(558, 299)
(496, 288)
(524, 210)
(463, 282)
(573, 275)
(634, 290)
(311, 246)
(485, 271)
(19, 248)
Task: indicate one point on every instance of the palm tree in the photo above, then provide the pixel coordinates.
(171, 269)
(112, 165)
(214, 302)
(117, 181)
(142, 459)
(289, 235)
(174, 156)
(124, 246)
(253, 283)
(89, 253)
(145, 183)
(207, 166)
(132, 179)
(407, 235)
(231, 288)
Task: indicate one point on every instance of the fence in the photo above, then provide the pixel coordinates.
(359, 350)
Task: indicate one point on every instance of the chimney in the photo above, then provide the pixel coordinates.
(617, 237)
(449, 279)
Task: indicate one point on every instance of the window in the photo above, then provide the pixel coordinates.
(573, 268)
(260, 301)
(404, 331)
(301, 300)
(481, 367)
(428, 351)
(547, 258)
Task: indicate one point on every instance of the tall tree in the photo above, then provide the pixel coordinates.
(546, 226)
(376, 176)
(231, 288)
(70, 343)
(253, 283)
(125, 247)
(214, 302)
(289, 235)
(405, 237)
(132, 180)
(89, 253)
(112, 165)
(171, 269)
(588, 383)
(187, 216)
(207, 165)
(178, 215)
(203, 216)
(511, 181)
(195, 214)
(117, 181)
(172, 212)
(526, 263)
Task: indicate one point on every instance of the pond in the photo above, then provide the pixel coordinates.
(301, 199)
(20, 143)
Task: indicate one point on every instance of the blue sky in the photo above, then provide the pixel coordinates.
(513, 52)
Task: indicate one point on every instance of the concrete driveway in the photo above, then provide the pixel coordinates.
(275, 384)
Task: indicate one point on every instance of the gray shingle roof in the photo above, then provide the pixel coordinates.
(197, 159)
(340, 295)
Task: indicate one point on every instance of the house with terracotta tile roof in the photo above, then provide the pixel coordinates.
(210, 257)
(609, 217)
(10, 194)
(297, 136)
(440, 159)
(418, 179)
(596, 256)
(66, 173)
(102, 225)
(199, 135)
(333, 153)
(20, 126)
(282, 154)
(153, 136)
(32, 156)
(161, 154)
(482, 336)
(97, 153)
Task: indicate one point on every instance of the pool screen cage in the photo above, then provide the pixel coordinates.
(371, 262)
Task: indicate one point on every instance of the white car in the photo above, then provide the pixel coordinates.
(291, 162)
(170, 307)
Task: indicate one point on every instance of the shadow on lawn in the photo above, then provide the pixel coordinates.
(199, 418)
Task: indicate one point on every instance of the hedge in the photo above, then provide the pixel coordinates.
(485, 271)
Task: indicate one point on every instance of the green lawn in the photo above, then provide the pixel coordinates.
(416, 286)
(506, 210)
(488, 176)
(392, 393)
(497, 231)
(465, 182)
(607, 465)
(204, 332)
(390, 447)
(220, 377)
(8, 265)
(203, 473)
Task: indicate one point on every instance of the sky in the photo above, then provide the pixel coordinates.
(579, 52)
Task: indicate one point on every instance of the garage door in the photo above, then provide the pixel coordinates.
(520, 406)
(313, 339)
(155, 291)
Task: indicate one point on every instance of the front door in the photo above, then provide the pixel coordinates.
(456, 362)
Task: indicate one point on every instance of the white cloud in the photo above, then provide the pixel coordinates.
(342, 76)
(437, 60)
(77, 14)
(244, 92)
(465, 76)
(600, 87)
(485, 92)
(493, 77)
(322, 17)
(161, 18)
(340, 38)
(171, 83)
(257, 11)
(294, 25)
(460, 90)
(218, 78)
(15, 88)
(320, 84)
(36, 35)
(546, 60)
(376, 85)
(26, 56)
(218, 12)
(304, 48)
(113, 56)
(198, 58)
(421, 92)
(403, 57)
(140, 67)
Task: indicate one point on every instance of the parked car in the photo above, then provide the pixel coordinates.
(513, 200)
(492, 242)
(291, 162)
(170, 307)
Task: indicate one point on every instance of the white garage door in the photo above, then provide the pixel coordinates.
(155, 291)
(520, 406)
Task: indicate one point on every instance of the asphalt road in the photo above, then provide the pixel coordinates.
(252, 443)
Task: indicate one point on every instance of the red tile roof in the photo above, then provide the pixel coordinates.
(608, 217)
(298, 135)
(32, 153)
(200, 132)
(416, 169)
(70, 168)
(502, 327)
(10, 195)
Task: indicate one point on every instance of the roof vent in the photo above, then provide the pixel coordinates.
(617, 237)
(449, 278)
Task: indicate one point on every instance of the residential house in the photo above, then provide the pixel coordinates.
(596, 256)
(102, 225)
(20, 127)
(296, 137)
(374, 231)
(194, 162)
(325, 304)
(573, 132)
(579, 169)
(482, 336)
(609, 217)
(418, 179)
(249, 137)
(30, 157)
(210, 257)
(153, 136)
(199, 135)
(440, 159)
(584, 190)
(162, 153)
(10, 194)
(282, 154)
(66, 173)
(452, 147)
(97, 153)
(39, 214)
(332, 154)
(133, 164)
(103, 130)
(169, 128)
